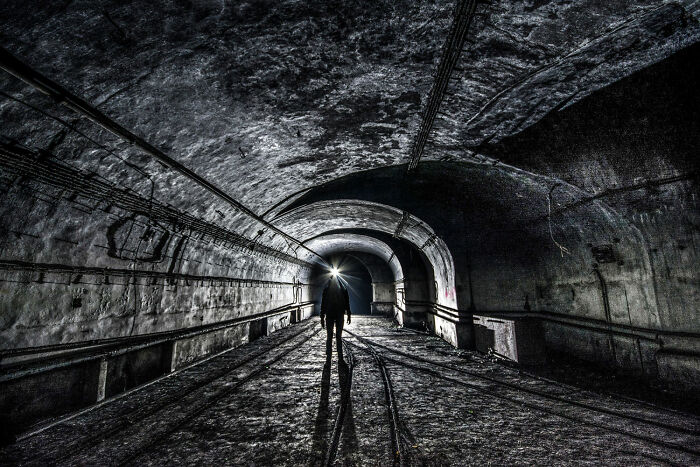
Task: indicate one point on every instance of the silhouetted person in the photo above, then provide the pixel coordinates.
(334, 304)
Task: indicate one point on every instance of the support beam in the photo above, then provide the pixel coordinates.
(101, 380)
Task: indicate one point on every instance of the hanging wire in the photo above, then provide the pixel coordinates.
(562, 248)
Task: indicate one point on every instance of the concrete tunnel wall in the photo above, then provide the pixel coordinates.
(141, 286)
(623, 288)
(141, 277)
(638, 136)
(90, 260)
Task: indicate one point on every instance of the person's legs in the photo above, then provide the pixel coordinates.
(339, 337)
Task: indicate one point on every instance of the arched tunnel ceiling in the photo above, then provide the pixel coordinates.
(266, 98)
(379, 271)
(472, 200)
(330, 244)
(312, 220)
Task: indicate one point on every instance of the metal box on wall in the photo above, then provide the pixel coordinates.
(515, 337)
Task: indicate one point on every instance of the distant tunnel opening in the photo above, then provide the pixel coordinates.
(356, 277)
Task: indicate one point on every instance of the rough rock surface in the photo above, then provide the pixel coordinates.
(266, 98)
(453, 408)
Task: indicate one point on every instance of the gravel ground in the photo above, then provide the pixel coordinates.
(276, 401)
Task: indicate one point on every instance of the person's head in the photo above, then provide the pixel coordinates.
(333, 281)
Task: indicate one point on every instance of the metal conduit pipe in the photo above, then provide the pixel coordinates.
(24, 72)
(112, 347)
(464, 13)
(606, 309)
(23, 162)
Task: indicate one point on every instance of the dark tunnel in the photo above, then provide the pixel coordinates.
(507, 191)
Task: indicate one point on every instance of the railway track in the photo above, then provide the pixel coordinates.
(396, 433)
(132, 417)
(123, 433)
(520, 372)
(428, 366)
(597, 408)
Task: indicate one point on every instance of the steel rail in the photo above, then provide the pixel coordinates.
(61, 95)
(519, 372)
(538, 408)
(634, 400)
(534, 392)
(452, 49)
(399, 450)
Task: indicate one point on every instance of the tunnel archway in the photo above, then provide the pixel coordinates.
(376, 255)
(430, 300)
(314, 219)
(383, 285)
(416, 292)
